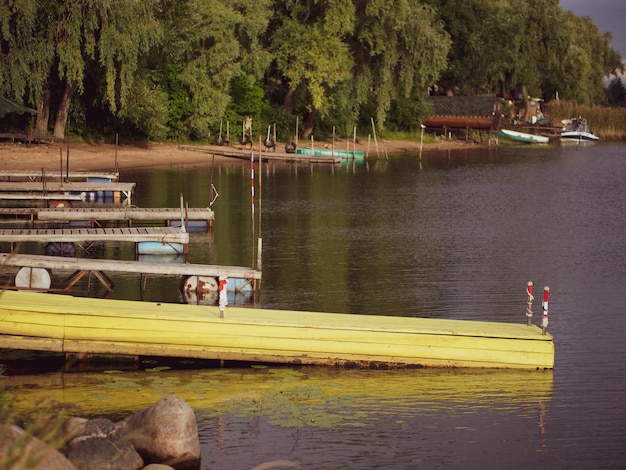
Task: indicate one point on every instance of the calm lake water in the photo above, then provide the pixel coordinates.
(455, 235)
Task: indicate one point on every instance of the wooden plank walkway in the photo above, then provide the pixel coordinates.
(279, 156)
(71, 186)
(9, 175)
(60, 190)
(123, 213)
(125, 234)
(87, 264)
(105, 213)
(106, 326)
(41, 196)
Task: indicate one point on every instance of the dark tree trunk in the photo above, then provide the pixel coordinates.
(308, 125)
(289, 102)
(63, 111)
(527, 110)
(43, 112)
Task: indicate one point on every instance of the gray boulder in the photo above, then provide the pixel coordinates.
(165, 433)
(101, 444)
(30, 452)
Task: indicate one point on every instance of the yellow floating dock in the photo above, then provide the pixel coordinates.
(49, 322)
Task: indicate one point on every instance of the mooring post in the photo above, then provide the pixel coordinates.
(544, 321)
(529, 305)
(223, 298)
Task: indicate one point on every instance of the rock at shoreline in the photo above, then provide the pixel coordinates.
(166, 433)
(99, 443)
(164, 436)
(31, 453)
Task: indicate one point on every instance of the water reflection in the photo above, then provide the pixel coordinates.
(251, 415)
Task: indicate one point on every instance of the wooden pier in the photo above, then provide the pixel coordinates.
(48, 322)
(93, 216)
(277, 156)
(71, 187)
(29, 175)
(86, 266)
(73, 235)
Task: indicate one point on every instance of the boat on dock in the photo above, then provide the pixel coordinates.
(524, 137)
(47, 322)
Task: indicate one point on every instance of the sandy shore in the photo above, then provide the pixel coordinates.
(87, 156)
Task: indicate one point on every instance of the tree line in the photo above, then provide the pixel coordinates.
(186, 69)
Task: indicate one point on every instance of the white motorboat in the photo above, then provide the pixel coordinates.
(577, 129)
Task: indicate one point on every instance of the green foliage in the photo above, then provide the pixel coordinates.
(148, 110)
(176, 69)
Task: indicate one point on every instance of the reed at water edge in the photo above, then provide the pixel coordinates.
(607, 123)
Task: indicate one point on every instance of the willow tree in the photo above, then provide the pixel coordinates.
(400, 51)
(26, 53)
(481, 50)
(207, 44)
(70, 36)
(587, 62)
(311, 56)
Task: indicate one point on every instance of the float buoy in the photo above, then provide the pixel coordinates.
(33, 278)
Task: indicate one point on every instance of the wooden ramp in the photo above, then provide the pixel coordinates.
(48, 322)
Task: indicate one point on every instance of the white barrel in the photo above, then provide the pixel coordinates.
(33, 278)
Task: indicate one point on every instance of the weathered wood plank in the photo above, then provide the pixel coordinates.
(107, 265)
(72, 186)
(160, 234)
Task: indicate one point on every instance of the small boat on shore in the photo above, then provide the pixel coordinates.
(524, 137)
(326, 152)
(577, 129)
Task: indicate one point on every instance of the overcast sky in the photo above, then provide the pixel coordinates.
(608, 15)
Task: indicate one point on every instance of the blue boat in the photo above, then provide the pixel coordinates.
(325, 152)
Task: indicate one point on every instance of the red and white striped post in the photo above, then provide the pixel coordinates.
(223, 295)
(529, 306)
(544, 321)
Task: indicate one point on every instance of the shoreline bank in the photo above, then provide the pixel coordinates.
(85, 156)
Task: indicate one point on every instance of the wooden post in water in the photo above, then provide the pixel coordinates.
(375, 141)
(421, 140)
(252, 202)
(259, 250)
